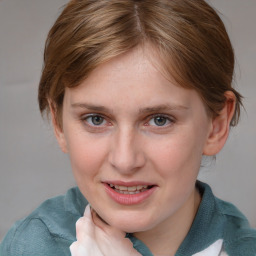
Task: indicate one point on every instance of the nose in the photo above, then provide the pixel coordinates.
(126, 154)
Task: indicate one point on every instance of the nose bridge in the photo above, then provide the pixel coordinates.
(126, 156)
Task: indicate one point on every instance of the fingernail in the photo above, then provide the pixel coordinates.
(87, 211)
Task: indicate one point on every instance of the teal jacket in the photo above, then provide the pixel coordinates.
(50, 229)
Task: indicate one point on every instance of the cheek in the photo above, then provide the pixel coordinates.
(178, 161)
(86, 155)
(177, 154)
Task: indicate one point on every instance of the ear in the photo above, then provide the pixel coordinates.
(220, 126)
(58, 130)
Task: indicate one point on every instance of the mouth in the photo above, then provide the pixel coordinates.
(129, 193)
(130, 190)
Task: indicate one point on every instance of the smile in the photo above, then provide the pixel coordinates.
(129, 194)
(129, 190)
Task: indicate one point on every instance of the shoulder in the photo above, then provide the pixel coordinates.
(242, 246)
(49, 230)
(221, 220)
(29, 237)
(239, 237)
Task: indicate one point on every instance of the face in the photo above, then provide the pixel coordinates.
(135, 142)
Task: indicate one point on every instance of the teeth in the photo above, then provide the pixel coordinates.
(129, 190)
(122, 188)
(141, 187)
(134, 188)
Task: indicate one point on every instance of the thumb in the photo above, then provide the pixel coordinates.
(85, 228)
(111, 240)
(108, 230)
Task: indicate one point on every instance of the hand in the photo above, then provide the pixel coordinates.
(97, 238)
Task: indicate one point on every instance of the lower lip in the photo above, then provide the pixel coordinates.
(129, 199)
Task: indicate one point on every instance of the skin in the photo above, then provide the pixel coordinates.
(127, 144)
(94, 237)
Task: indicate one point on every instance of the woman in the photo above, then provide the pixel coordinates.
(138, 92)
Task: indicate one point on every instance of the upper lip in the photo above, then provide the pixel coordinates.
(128, 183)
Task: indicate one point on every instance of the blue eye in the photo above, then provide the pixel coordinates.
(159, 121)
(95, 120)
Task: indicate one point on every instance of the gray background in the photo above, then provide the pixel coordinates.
(32, 166)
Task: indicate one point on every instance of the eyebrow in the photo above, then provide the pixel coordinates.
(162, 108)
(157, 108)
(90, 107)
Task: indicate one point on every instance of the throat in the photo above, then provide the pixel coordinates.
(167, 236)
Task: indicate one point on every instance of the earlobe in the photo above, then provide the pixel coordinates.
(58, 131)
(220, 126)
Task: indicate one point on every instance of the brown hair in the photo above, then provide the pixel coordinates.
(189, 37)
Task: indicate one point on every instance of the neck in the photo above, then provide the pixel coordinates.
(166, 237)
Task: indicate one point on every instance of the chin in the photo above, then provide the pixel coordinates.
(132, 228)
(132, 225)
(127, 220)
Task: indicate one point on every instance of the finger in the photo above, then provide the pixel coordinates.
(85, 228)
(114, 246)
(87, 212)
(109, 230)
(110, 240)
(78, 249)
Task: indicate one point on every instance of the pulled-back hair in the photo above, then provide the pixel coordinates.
(188, 35)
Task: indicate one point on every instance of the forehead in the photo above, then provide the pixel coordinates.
(135, 78)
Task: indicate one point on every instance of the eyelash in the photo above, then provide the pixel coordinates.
(86, 117)
(167, 119)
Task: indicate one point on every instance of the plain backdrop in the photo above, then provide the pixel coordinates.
(33, 167)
